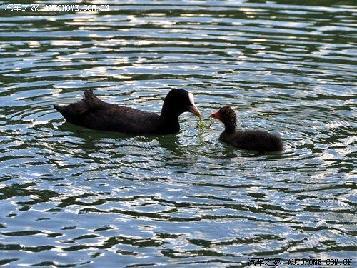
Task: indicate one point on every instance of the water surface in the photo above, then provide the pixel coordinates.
(76, 197)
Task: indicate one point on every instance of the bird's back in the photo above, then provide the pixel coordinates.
(257, 140)
(91, 112)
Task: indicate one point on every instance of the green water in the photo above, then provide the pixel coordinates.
(75, 197)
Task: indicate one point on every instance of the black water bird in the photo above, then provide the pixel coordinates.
(93, 113)
(256, 140)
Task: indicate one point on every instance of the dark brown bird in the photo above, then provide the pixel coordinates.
(91, 112)
(257, 140)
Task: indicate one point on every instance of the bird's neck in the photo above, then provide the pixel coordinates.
(168, 112)
(169, 120)
(230, 128)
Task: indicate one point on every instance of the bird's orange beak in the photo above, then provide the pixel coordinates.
(216, 115)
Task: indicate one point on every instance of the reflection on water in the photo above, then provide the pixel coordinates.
(72, 196)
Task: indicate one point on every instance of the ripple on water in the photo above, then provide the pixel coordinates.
(71, 196)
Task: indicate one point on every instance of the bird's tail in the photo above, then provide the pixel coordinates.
(89, 94)
(89, 102)
(92, 100)
(59, 108)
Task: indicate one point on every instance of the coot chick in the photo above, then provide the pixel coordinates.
(257, 140)
(91, 112)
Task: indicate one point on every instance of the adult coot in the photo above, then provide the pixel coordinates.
(91, 112)
(257, 140)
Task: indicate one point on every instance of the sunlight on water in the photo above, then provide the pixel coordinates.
(72, 196)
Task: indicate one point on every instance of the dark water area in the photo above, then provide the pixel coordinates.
(71, 197)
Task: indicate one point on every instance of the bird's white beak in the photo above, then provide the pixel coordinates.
(193, 109)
